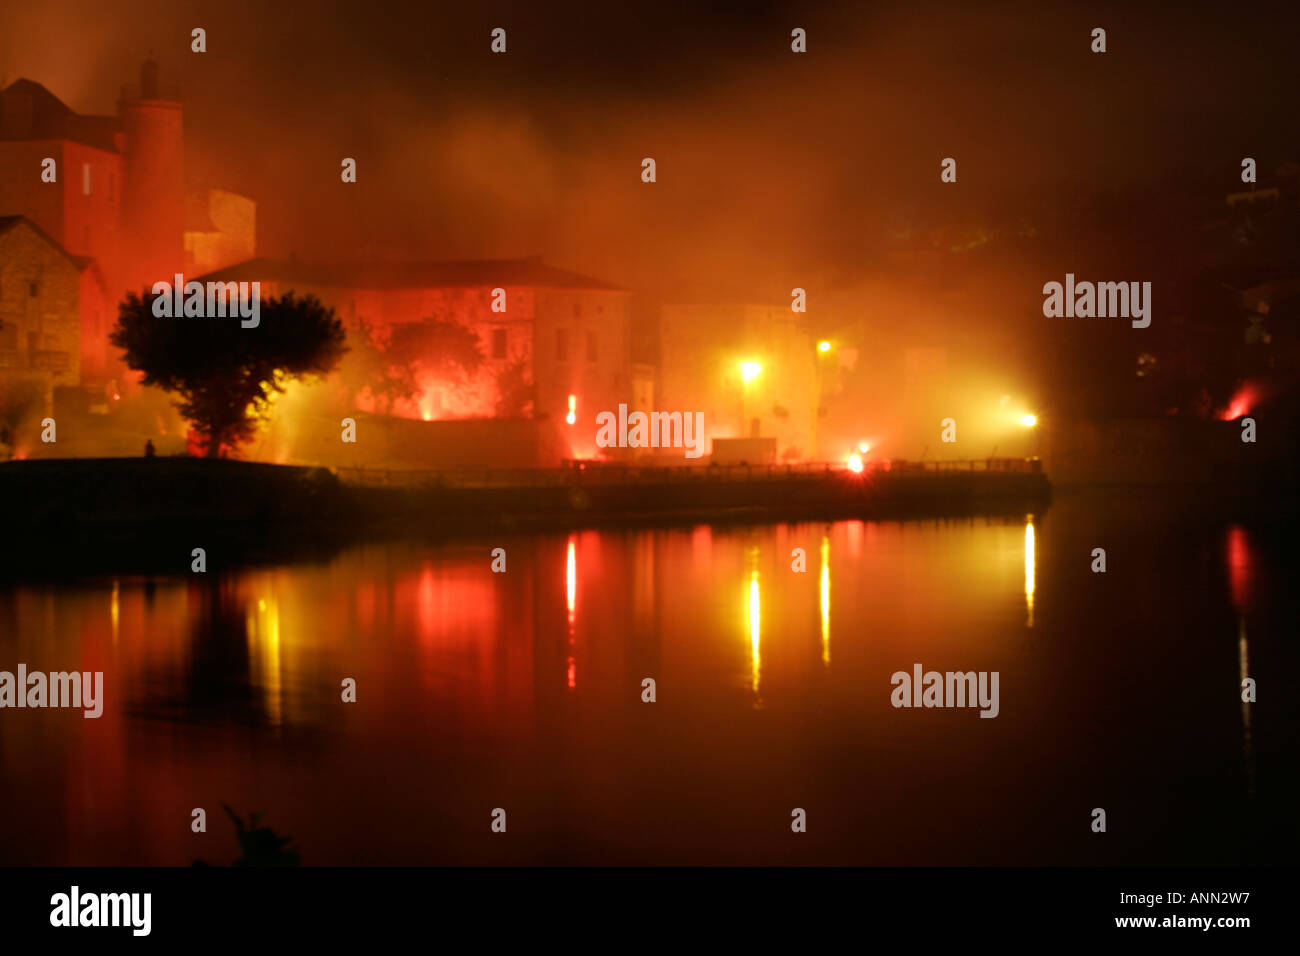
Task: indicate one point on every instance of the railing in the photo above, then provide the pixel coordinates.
(580, 473)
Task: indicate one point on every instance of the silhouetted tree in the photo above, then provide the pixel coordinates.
(223, 373)
(369, 365)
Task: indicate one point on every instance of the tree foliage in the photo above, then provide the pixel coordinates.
(224, 375)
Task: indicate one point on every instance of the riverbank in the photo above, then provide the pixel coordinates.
(119, 514)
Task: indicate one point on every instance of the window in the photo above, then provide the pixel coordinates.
(34, 288)
(591, 346)
(85, 179)
(561, 345)
(498, 343)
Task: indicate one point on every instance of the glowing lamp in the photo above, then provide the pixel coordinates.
(855, 463)
(750, 370)
(863, 447)
(1029, 421)
(823, 346)
(572, 417)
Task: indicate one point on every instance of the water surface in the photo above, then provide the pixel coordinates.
(523, 691)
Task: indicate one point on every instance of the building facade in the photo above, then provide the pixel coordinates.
(751, 369)
(555, 346)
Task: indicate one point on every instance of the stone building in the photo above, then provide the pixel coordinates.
(111, 190)
(40, 291)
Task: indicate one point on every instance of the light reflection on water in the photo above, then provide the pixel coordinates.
(523, 689)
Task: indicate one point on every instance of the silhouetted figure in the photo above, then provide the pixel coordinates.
(148, 448)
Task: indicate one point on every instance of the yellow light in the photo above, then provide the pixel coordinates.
(573, 410)
(863, 447)
(750, 370)
(855, 463)
(823, 346)
(1029, 421)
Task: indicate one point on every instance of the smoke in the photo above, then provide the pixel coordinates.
(774, 169)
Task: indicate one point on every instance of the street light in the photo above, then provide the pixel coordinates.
(823, 346)
(749, 371)
(1028, 420)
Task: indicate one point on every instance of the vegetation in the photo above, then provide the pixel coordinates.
(225, 375)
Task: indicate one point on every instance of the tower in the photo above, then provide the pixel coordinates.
(153, 188)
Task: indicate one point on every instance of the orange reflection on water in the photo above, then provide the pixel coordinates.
(571, 597)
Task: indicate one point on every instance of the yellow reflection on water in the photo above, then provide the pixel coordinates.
(1029, 570)
(114, 609)
(755, 660)
(264, 652)
(826, 600)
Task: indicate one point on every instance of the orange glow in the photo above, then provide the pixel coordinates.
(1028, 420)
(855, 463)
(750, 370)
(1241, 403)
(573, 410)
(863, 447)
(1240, 571)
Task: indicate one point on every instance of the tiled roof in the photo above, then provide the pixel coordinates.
(51, 119)
(529, 271)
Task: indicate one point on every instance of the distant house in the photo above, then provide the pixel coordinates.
(567, 334)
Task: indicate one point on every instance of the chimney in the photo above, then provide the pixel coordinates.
(16, 116)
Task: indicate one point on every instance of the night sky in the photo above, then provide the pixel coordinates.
(774, 169)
